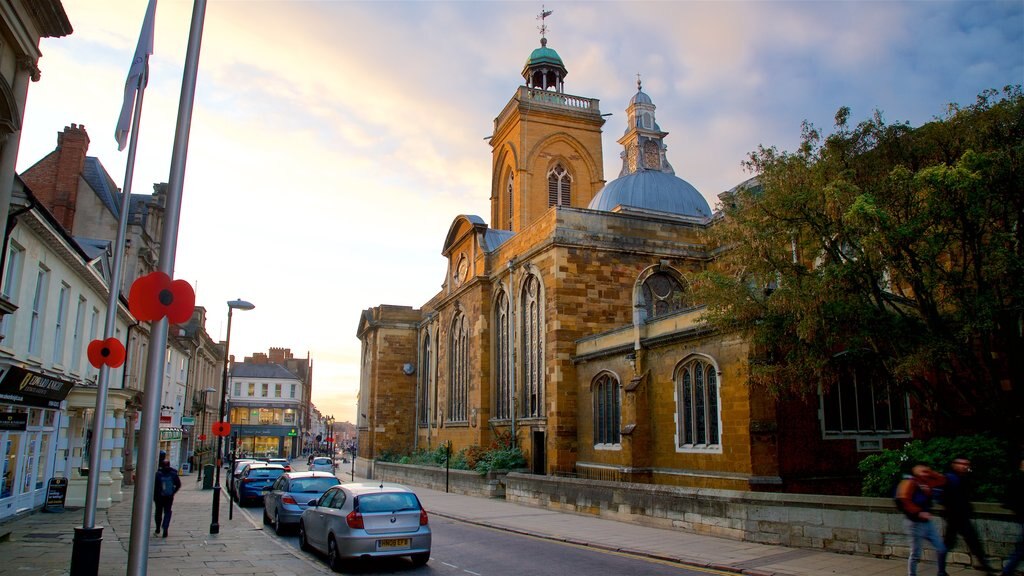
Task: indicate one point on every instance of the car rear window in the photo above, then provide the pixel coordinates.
(387, 502)
(265, 472)
(312, 485)
(322, 461)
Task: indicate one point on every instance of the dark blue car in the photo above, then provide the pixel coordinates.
(250, 484)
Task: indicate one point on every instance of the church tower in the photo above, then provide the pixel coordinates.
(546, 145)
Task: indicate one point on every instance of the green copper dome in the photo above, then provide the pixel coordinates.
(544, 55)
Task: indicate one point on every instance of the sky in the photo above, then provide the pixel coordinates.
(333, 142)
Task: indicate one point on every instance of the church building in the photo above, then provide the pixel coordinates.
(568, 322)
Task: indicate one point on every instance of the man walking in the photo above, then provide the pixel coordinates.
(956, 498)
(914, 498)
(167, 485)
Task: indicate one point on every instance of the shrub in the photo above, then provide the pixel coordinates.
(990, 459)
(501, 459)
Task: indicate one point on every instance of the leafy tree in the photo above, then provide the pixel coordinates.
(884, 244)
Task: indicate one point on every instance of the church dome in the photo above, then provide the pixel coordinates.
(652, 190)
(542, 56)
(640, 98)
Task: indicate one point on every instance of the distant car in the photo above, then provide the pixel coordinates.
(283, 462)
(322, 464)
(254, 478)
(284, 502)
(366, 520)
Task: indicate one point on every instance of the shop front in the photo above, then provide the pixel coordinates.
(265, 441)
(30, 417)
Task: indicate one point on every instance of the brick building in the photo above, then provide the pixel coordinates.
(568, 322)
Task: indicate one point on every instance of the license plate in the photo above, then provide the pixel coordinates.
(394, 544)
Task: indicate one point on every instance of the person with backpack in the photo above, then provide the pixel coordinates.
(914, 497)
(956, 499)
(167, 484)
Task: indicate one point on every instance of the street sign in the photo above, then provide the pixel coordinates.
(188, 421)
(293, 432)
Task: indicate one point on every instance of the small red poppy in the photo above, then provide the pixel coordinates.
(109, 352)
(155, 295)
(221, 428)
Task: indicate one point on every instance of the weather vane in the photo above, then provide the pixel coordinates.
(543, 26)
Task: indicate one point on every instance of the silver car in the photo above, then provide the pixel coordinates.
(366, 520)
(284, 502)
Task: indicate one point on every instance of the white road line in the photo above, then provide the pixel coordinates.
(450, 565)
(473, 573)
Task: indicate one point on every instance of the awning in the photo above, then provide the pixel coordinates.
(28, 388)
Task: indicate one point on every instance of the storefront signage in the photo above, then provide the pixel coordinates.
(13, 421)
(188, 421)
(167, 434)
(21, 386)
(56, 491)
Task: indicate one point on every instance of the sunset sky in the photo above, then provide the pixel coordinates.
(333, 143)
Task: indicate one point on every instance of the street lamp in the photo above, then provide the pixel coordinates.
(202, 432)
(214, 521)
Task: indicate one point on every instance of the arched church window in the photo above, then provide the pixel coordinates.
(607, 410)
(559, 186)
(697, 404)
(503, 371)
(425, 363)
(532, 348)
(663, 294)
(509, 189)
(458, 363)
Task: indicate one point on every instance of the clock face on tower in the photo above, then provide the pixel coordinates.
(461, 271)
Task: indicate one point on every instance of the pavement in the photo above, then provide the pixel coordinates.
(40, 543)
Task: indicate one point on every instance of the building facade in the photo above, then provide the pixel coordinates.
(266, 409)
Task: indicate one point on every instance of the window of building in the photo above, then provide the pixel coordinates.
(458, 381)
(509, 190)
(77, 337)
(35, 330)
(289, 416)
(12, 282)
(60, 329)
(697, 418)
(559, 186)
(291, 393)
(265, 389)
(532, 348)
(425, 362)
(607, 410)
(94, 327)
(503, 360)
(252, 389)
(238, 389)
(863, 401)
(277, 391)
(662, 294)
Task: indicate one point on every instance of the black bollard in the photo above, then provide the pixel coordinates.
(85, 551)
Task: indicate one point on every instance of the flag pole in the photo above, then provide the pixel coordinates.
(142, 505)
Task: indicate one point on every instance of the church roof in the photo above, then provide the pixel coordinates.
(652, 190)
(544, 55)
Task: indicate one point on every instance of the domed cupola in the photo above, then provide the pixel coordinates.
(544, 69)
(647, 181)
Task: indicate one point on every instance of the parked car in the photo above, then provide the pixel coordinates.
(283, 462)
(322, 464)
(284, 502)
(254, 478)
(366, 520)
(235, 471)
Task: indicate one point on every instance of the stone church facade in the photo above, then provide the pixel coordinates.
(568, 322)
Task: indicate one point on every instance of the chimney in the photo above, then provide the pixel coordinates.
(54, 179)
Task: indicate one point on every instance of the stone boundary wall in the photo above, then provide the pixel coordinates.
(845, 524)
(466, 482)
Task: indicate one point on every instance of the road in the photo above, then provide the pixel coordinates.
(461, 549)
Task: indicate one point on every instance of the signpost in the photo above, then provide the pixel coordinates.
(56, 492)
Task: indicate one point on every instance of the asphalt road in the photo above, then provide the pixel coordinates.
(461, 549)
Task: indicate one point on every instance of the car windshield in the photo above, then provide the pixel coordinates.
(387, 502)
(321, 461)
(312, 485)
(265, 472)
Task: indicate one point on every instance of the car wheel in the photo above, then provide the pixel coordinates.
(303, 543)
(278, 527)
(420, 559)
(266, 519)
(333, 556)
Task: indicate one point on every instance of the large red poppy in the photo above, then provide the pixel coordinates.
(155, 295)
(221, 429)
(109, 352)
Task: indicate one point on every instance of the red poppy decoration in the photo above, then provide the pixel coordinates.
(221, 429)
(109, 352)
(155, 295)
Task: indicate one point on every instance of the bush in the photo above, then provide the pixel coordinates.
(990, 459)
(501, 459)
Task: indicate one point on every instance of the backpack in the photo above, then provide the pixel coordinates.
(166, 485)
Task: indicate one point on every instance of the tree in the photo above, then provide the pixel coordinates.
(886, 246)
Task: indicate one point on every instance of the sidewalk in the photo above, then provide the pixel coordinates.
(40, 543)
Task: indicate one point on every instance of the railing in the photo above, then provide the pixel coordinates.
(559, 99)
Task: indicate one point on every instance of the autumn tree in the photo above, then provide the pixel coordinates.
(889, 247)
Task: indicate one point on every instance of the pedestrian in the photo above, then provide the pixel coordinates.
(914, 496)
(167, 485)
(1014, 500)
(956, 499)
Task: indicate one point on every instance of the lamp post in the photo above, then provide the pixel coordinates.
(202, 432)
(215, 518)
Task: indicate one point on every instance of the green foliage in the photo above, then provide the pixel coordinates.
(500, 455)
(903, 242)
(500, 459)
(990, 459)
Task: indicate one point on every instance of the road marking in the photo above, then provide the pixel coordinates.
(471, 572)
(450, 565)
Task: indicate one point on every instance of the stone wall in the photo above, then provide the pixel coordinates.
(845, 524)
(467, 482)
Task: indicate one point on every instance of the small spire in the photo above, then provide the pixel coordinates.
(639, 87)
(543, 25)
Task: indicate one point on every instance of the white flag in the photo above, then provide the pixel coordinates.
(137, 76)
